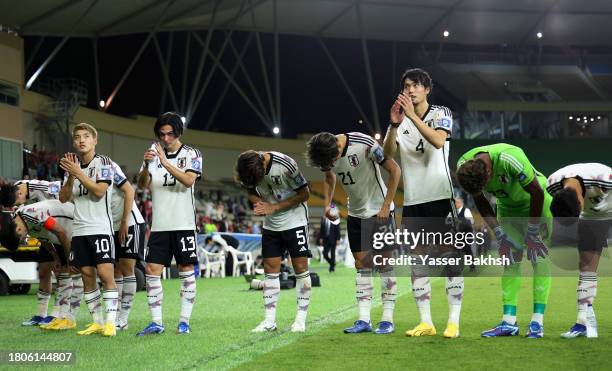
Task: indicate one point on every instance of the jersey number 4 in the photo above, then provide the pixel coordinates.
(347, 179)
(169, 180)
(419, 147)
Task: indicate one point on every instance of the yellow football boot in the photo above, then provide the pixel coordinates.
(423, 329)
(452, 331)
(93, 328)
(109, 329)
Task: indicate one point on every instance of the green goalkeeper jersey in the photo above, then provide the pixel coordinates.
(511, 172)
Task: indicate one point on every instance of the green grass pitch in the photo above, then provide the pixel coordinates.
(226, 311)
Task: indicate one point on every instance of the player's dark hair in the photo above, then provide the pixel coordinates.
(8, 195)
(249, 169)
(322, 150)
(419, 76)
(565, 206)
(8, 232)
(472, 176)
(169, 118)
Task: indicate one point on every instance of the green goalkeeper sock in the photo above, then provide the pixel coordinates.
(541, 289)
(511, 285)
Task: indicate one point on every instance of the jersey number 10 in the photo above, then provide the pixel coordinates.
(82, 190)
(102, 246)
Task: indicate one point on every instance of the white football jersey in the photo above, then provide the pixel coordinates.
(118, 198)
(425, 170)
(40, 217)
(282, 180)
(93, 215)
(40, 190)
(173, 203)
(358, 169)
(597, 182)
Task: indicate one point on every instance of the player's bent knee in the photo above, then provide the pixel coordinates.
(126, 267)
(153, 269)
(185, 267)
(300, 265)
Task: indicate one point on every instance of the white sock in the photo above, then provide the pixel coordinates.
(42, 298)
(155, 297)
(188, 294)
(127, 297)
(119, 281)
(111, 302)
(454, 293)
(303, 290)
(585, 294)
(92, 298)
(388, 294)
(64, 291)
(76, 296)
(55, 312)
(509, 318)
(271, 290)
(538, 317)
(364, 285)
(421, 290)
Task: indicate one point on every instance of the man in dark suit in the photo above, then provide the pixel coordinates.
(329, 238)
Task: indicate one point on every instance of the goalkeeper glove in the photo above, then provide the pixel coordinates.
(505, 244)
(535, 245)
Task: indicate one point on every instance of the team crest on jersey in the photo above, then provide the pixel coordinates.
(181, 162)
(276, 179)
(90, 172)
(353, 160)
(54, 188)
(503, 179)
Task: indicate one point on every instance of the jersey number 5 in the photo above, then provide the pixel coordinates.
(301, 239)
(347, 179)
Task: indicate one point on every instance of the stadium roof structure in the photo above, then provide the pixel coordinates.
(559, 24)
(562, 22)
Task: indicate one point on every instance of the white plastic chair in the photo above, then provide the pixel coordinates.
(239, 258)
(211, 263)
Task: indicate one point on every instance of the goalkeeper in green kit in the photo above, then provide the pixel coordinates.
(523, 220)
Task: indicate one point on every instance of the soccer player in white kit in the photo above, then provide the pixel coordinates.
(584, 191)
(171, 169)
(279, 191)
(356, 158)
(30, 191)
(50, 222)
(422, 132)
(129, 226)
(88, 184)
